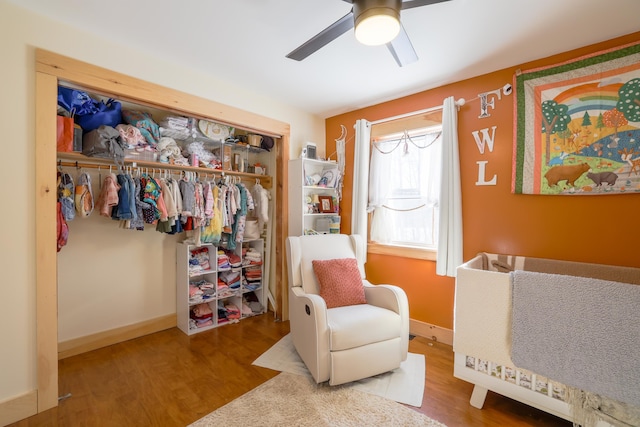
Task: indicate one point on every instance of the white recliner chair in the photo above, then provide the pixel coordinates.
(348, 343)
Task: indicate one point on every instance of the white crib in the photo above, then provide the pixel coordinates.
(482, 334)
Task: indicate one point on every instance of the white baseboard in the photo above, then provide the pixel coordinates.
(18, 408)
(113, 336)
(433, 332)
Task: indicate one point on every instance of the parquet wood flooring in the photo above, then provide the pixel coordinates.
(169, 379)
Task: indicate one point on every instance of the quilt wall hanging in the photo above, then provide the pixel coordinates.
(577, 125)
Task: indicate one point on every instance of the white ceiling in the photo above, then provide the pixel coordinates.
(245, 41)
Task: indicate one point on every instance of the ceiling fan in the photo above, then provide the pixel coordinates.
(376, 22)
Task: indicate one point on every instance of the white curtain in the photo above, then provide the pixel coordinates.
(360, 179)
(450, 231)
(379, 188)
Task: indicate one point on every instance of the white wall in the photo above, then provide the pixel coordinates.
(133, 290)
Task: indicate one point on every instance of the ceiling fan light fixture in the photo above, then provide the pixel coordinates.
(377, 22)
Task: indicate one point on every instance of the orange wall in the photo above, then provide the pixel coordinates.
(598, 229)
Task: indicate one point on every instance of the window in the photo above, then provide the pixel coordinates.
(404, 186)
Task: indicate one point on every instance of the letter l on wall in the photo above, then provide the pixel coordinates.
(481, 174)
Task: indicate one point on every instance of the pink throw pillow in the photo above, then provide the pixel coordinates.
(340, 282)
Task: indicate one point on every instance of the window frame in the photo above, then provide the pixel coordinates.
(400, 250)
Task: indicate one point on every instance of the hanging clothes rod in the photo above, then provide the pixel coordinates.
(114, 167)
(103, 164)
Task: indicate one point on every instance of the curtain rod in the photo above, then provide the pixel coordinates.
(459, 103)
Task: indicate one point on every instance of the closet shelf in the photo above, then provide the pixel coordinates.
(72, 159)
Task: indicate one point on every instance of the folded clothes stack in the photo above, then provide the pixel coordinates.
(223, 261)
(231, 278)
(233, 312)
(234, 259)
(252, 257)
(253, 276)
(175, 127)
(224, 291)
(227, 311)
(201, 291)
(201, 315)
(199, 260)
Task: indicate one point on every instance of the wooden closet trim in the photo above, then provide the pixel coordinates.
(51, 69)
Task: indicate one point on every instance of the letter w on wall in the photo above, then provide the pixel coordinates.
(486, 139)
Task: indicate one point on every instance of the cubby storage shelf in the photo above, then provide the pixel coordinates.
(246, 293)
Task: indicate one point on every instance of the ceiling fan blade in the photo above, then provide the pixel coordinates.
(324, 37)
(402, 49)
(410, 4)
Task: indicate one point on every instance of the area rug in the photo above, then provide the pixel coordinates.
(295, 400)
(404, 385)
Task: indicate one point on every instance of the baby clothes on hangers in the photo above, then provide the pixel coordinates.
(123, 210)
(132, 198)
(250, 203)
(176, 195)
(169, 201)
(108, 197)
(187, 189)
(84, 195)
(198, 207)
(163, 225)
(66, 189)
(208, 200)
(62, 227)
(224, 207)
(237, 230)
(151, 195)
(211, 231)
(261, 201)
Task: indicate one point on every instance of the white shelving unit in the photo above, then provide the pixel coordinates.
(219, 294)
(309, 181)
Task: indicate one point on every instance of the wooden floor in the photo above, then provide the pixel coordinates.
(168, 379)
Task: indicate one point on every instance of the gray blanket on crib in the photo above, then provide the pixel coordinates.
(582, 332)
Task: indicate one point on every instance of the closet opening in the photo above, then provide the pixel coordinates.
(53, 69)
